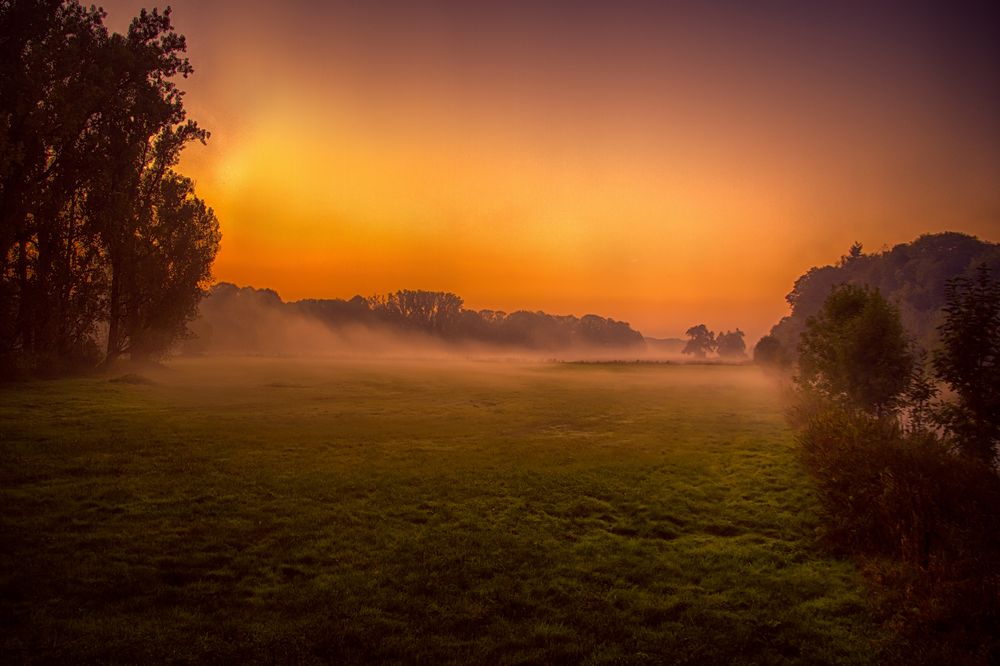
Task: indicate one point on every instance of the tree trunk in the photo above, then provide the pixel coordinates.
(24, 300)
(114, 314)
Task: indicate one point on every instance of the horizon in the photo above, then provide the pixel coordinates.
(664, 166)
(750, 336)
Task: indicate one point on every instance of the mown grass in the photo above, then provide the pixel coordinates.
(301, 511)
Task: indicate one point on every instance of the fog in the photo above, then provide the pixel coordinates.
(235, 321)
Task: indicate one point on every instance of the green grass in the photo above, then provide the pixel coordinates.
(272, 510)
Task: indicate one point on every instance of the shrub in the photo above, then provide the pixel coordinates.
(923, 520)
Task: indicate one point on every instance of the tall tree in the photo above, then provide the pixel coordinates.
(51, 92)
(91, 126)
(172, 266)
(144, 136)
(969, 362)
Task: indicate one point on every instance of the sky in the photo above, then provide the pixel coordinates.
(666, 164)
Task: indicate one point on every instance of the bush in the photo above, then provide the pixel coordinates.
(923, 520)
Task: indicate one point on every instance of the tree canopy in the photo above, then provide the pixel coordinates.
(855, 351)
(910, 275)
(731, 345)
(701, 341)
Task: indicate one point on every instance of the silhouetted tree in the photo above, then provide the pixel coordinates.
(731, 345)
(912, 275)
(145, 134)
(768, 351)
(701, 341)
(91, 125)
(52, 88)
(172, 266)
(855, 351)
(592, 330)
(969, 362)
(853, 254)
(433, 312)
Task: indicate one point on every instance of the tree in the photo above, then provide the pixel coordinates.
(432, 312)
(768, 351)
(855, 351)
(855, 253)
(172, 267)
(918, 401)
(911, 275)
(701, 342)
(731, 345)
(968, 362)
(144, 133)
(51, 91)
(91, 126)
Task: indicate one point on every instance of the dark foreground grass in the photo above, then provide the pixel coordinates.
(472, 513)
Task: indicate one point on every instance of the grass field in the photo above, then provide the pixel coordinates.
(278, 510)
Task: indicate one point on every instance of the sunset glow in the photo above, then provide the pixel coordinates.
(661, 166)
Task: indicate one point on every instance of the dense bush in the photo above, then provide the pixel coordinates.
(923, 521)
(899, 494)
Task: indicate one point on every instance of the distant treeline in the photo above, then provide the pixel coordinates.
(104, 248)
(243, 319)
(912, 276)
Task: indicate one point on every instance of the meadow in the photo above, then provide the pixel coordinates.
(261, 510)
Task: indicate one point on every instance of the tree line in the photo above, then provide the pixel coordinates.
(105, 249)
(913, 276)
(242, 318)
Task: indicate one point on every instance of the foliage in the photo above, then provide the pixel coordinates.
(855, 351)
(171, 268)
(923, 518)
(918, 402)
(430, 311)
(893, 493)
(91, 126)
(769, 352)
(700, 342)
(731, 345)
(969, 362)
(911, 275)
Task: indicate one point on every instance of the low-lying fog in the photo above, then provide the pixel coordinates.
(407, 325)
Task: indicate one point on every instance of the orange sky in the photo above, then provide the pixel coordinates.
(663, 166)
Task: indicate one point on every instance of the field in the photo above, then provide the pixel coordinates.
(280, 510)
